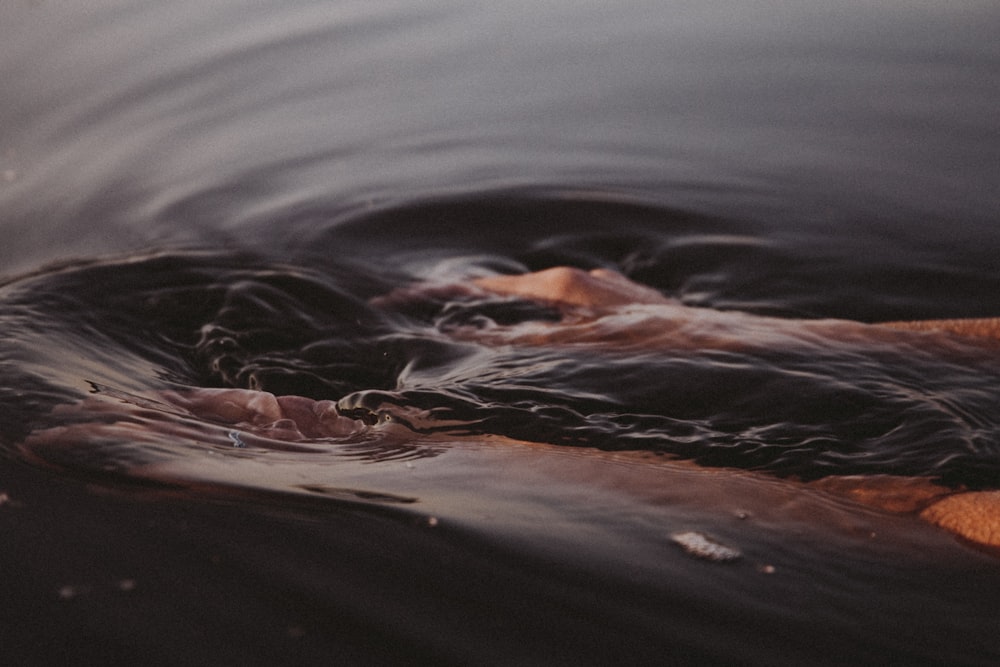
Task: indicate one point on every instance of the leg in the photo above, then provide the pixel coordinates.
(988, 327)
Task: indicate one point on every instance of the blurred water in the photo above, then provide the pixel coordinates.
(132, 123)
(202, 194)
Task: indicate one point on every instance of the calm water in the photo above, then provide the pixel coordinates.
(211, 195)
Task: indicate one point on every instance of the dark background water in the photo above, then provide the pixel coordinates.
(264, 170)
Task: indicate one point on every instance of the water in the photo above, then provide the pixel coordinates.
(212, 196)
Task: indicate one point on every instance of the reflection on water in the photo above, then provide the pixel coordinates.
(162, 125)
(216, 196)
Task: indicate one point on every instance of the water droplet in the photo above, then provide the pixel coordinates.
(70, 592)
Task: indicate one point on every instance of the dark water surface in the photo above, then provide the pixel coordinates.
(215, 195)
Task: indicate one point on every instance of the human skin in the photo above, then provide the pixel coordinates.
(586, 296)
(606, 310)
(974, 516)
(601, 288)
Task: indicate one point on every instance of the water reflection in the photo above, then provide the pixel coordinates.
(227, 117)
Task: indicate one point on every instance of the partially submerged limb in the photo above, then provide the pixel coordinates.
(974, 516)
(986, 327)
(602, 288)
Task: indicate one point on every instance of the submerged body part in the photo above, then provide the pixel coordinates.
(599, 311)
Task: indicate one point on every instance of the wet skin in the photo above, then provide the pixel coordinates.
(585, 299)
(974, 516)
